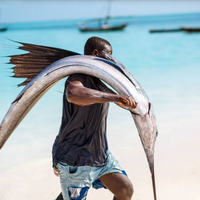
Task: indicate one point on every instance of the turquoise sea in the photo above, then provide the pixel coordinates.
(167, 66)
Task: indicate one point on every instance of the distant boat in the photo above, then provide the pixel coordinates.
(191, 30)
(105, 27)
(182, 29)
(101, 24)
(3, 29)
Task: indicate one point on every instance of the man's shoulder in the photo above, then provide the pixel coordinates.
(77, 77)
(86, 80)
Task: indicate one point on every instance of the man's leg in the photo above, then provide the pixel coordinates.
(119, 185)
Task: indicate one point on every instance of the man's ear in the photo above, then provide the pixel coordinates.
(95, 52)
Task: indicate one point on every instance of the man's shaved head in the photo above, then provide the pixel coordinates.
(96, 43)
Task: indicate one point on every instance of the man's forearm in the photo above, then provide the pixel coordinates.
(84, 96)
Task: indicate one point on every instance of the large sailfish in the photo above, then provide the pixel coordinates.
(44, 66)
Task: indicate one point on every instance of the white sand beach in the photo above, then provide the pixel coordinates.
(177, 160)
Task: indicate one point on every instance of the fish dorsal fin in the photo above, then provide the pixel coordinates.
(30, 64)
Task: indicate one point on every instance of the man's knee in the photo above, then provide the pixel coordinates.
(126, 192)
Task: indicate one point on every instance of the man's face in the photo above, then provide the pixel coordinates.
(105, 53)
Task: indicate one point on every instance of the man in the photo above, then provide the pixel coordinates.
(80, 153)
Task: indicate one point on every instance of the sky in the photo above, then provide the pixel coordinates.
(45, 10)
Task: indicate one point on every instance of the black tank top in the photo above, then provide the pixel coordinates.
(82, 137)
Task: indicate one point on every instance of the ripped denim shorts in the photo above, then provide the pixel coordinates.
(76, 181)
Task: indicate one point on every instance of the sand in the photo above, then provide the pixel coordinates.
(26, 173)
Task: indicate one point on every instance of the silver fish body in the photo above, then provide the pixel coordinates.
(143, 115)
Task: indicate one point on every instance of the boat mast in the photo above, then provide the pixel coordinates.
(108, 11)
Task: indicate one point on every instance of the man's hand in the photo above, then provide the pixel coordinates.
(55, 170)
(127, 102)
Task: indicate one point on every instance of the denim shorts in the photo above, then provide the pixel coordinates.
(76, 181)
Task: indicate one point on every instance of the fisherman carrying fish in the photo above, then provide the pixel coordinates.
(81, 156)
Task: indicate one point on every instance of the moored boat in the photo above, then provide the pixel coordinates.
(3, 29)
(105, 27)
(182, 29)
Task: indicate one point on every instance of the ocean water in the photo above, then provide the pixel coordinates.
(167, 66)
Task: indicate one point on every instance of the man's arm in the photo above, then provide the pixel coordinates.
(78, 94)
